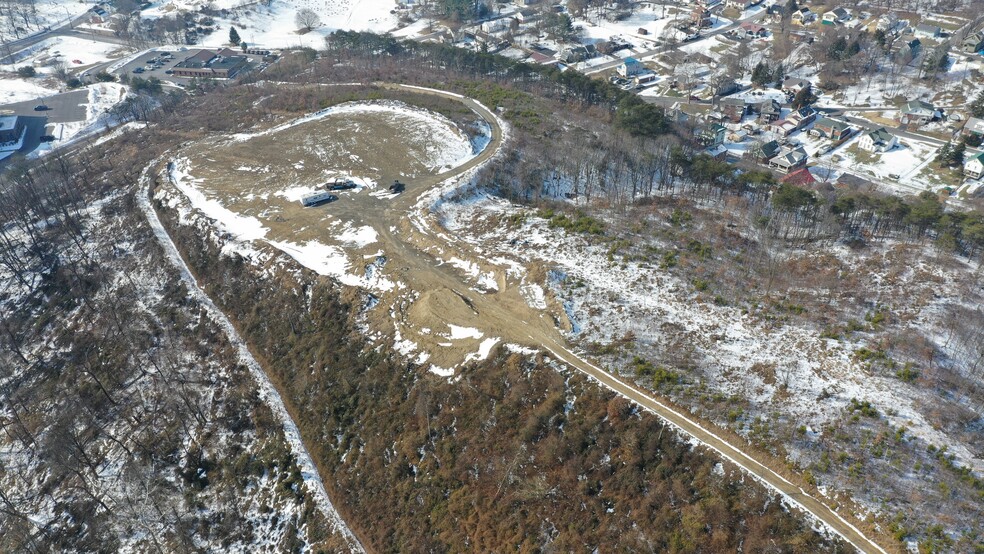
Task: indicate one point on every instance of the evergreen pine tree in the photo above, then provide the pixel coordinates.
(977, 106)
(957, 155)
(944, 155)
(760, 74)
(804, 98)
(233, 35)
(779, 73)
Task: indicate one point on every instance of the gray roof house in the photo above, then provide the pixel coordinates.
(789, 158)
(919, 112)
(974, 125)
(974, 42)
(927, 31)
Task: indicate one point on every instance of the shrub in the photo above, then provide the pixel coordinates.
(863, 407)
(26, 71)
(908, 373)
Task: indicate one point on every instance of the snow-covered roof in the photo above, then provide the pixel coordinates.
(8, 122)
(974, 125)
(928, 29)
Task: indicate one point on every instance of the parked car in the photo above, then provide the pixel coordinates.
(41, 108)
(138, 70)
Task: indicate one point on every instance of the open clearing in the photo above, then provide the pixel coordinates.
(437, 299)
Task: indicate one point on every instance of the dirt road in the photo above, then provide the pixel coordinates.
(505, 313)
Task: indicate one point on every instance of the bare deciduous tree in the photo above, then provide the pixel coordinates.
(306, 20)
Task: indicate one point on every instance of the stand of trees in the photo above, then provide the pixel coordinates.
(498, 460)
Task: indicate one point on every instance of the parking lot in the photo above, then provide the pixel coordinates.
(156, 63)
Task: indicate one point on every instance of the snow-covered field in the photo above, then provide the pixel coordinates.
(272, 25)
(22, 19)
(71, 52)
(14, 89)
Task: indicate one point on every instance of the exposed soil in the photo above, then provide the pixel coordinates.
(433, 294)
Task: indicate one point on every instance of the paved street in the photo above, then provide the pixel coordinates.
(62, 108)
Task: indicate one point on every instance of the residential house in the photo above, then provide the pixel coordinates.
(973, 43)
(764, 151)
(783, 127)
(927, 31)
(802, 117)
(919, 112)
(724, 87)
(701, 17)
(497, 25)
(751, 30)
(974, 125)
(741, 5)
(853, 182)
(974, 167)
(800, 178)
(803, 16)
(769, 111)
(793, 85)
(737, 136)
(910, 50)
(676, 114)
(710, 135)
(527, 15)
(789, 159)
(836, 16)
(541, 58)
(887, 22)
(718, 152)
(733, 108)
(630, 67)
(577, 53)
(879, 140)
(775, 12)
(833, 129)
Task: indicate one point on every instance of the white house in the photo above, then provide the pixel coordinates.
(630, 67)
(887, 22)
(741, 5)
(879, 140)
(836, 16)
(974, 167)
(497, 25)
(804, 16)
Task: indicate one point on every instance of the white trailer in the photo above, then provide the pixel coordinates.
(315, 198)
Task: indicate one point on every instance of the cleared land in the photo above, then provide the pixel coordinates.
(444, 302)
